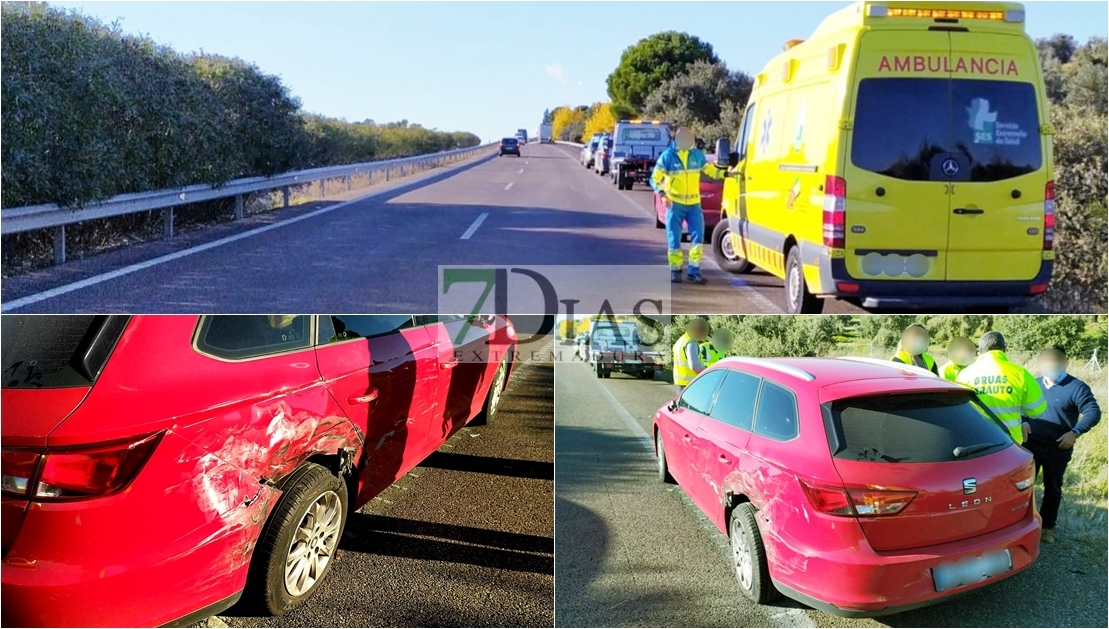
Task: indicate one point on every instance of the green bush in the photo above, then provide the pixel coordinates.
(89, 112)
(1032, 333)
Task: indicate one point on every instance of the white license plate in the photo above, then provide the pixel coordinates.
(970, 570)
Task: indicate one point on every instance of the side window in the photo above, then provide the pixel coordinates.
(776, 417)
(336, 328)
(735, 404)
(745, 132)
(698, 396)
(238, 337)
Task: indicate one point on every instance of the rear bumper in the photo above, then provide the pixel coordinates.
(923, 294)
(855, 581)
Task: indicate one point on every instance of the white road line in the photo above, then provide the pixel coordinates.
(15, 304)
(629, 419)
(473, 226)
(521, 171)
(509, 186)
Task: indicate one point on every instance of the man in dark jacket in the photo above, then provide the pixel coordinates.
(1071, 412)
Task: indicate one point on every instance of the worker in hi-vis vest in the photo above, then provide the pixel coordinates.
(1006, 388)
(677, 180)
(687, 353)
(717, 347)
(960, 353)
(913, 348)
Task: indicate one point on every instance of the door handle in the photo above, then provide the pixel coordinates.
(687, 438)
(450, 364)
(968, 210)
(370, 396)
(724, 459)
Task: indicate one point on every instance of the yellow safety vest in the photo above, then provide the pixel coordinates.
(678, 173)
(709, 354)
(683, 371)
(1006, 388)
(951, 371)
(905, 357)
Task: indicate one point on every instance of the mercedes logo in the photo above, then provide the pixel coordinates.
(950, 167)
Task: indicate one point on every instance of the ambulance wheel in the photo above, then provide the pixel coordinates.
(726, 256)
(798, 298)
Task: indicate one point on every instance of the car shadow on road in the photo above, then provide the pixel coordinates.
(490, 465)
(431, 541)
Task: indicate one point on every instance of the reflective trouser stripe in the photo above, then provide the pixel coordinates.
(696, 252)
(675, 258)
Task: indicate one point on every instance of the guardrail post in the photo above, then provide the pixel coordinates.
(238, 207)
(387, 174)
(168, 224)
(59, 244)
(348, 183)
(322, 182)
(285, 196)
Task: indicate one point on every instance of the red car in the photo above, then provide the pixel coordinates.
(711, 191)
(155, 468)
(856, 486)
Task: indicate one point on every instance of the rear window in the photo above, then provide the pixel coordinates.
(913, 428)
(508, 141)
(56, 351)
(907, 128)
(642, 134)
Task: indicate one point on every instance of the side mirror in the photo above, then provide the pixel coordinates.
(673, 405)
(733, 159)
(723, 152)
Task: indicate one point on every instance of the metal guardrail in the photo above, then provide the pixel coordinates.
(52, 216)
(577, 144)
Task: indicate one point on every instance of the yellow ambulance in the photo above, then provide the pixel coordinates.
(900, 157)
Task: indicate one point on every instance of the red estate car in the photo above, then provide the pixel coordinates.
(711, 192)
(858, 487)
(154, 467)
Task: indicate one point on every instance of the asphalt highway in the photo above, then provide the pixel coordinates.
(630, 551)
(380, 253)
(464, 540)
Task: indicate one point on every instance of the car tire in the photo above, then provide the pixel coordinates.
(798, 298)
(277, 584)
(726, 257)
(496, 392)
(749, 556)
(663, 469)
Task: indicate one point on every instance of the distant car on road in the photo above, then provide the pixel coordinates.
(602, 155)
(156, 469)
(710, 206)
(586, 156)
(859, 487)
(510, 146)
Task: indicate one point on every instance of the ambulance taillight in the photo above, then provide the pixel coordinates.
(1049, 216)
(835, 212)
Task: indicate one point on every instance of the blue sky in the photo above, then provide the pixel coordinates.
(488, 68)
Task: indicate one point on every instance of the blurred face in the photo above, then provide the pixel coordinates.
(962, 354)
(722, 340)
(1052, 364)
(684, 139)
(698, 331)
(916, 341)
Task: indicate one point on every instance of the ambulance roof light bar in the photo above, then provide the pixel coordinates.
(881, 10)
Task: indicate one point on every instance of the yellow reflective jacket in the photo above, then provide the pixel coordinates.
(905, 357)
(683, 371)
(678, 174)
(951, 371)
(1008, 389)
(709, 354)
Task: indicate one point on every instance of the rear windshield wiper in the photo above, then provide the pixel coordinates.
(962, 451)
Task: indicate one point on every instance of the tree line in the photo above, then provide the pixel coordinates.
(89, 112)
(679, 78)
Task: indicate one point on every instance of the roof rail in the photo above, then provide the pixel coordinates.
(888, 363)
(800, 374)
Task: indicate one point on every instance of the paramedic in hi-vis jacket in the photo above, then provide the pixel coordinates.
(677, 179)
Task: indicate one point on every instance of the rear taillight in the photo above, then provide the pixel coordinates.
(860, 501)
(1025, 477)
(835, 211)
(1049, 216)
(73, 473)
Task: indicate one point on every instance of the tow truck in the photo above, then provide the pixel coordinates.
(636, 146)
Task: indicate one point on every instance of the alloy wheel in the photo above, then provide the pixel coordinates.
(741, 555)
(314, 543)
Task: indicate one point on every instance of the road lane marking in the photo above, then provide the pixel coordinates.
(521, 171)
(14, 304)
(509, 186)
(473, 226)
(629, 419)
